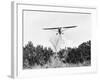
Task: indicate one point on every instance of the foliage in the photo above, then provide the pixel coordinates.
(39, 55)
(35, 55)
(77, 55)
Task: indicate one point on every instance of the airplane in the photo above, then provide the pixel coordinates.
(60, 31)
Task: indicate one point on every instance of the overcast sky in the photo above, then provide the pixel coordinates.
(35, 21)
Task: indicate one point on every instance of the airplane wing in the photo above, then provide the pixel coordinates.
(70, 27)
(49, 28)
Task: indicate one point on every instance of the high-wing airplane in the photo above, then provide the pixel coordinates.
(59, 29)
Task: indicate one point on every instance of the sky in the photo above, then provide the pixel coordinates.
(35, 21)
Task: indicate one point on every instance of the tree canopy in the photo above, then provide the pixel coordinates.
(39, 55)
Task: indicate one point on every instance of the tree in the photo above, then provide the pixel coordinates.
(85, 49)
(29, 54)
(36, 55)
(39, 55)
(76, 55)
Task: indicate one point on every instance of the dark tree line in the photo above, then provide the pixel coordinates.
(40, 55)
(76, 55)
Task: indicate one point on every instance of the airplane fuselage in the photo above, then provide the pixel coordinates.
(59, 31)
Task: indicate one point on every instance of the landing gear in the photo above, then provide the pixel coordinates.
(56, 33)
